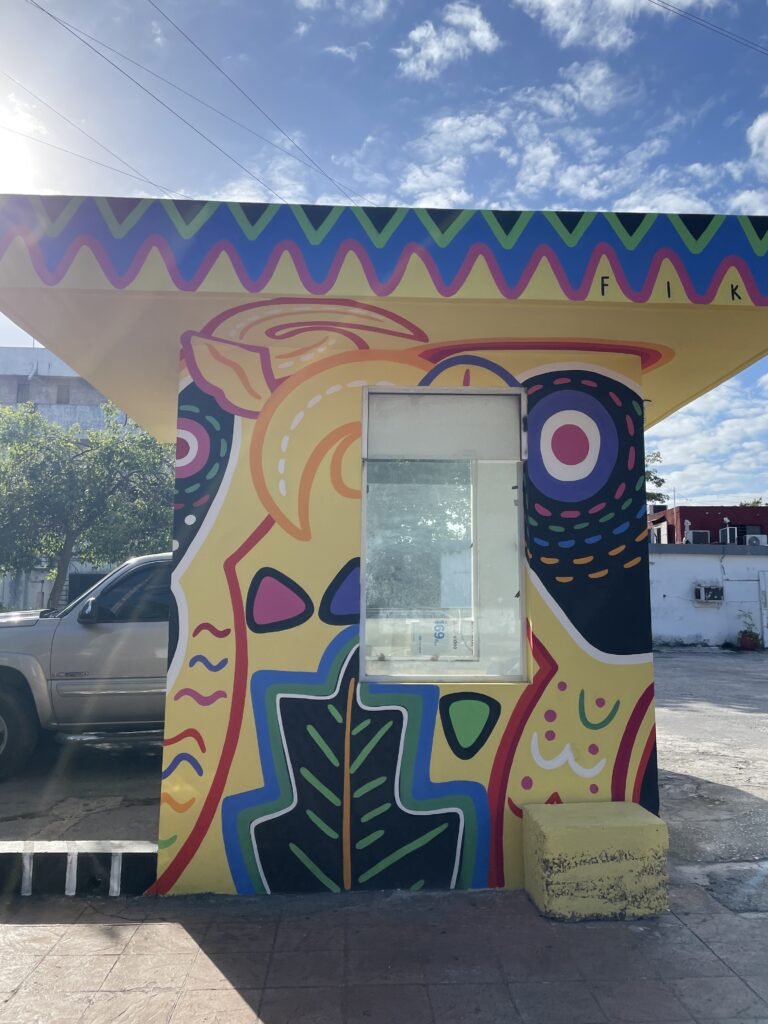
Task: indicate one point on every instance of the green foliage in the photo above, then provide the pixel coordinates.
(754, 503)
(104, 494)
(652, 478)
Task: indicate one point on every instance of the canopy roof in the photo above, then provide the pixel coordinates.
(109, 285)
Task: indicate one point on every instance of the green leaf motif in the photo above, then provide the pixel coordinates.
(346, 828)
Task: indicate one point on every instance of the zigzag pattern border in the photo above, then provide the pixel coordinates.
(191, 236)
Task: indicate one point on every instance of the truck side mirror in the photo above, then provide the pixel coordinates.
(89, 613)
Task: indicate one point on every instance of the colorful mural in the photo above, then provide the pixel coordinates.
(285, 772)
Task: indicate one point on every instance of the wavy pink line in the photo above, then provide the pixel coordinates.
(202, 627)
(200, 698)
(383, 288)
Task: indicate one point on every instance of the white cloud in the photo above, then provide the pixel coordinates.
(713, 450)
(440, 184)
(604, 24)
(302, 28)
(429, 49)
(158, 34)
(537, 166)
(750, 201)
(363, 10)
(348, 52)
(757, 137)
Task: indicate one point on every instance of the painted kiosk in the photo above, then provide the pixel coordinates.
(411, 560)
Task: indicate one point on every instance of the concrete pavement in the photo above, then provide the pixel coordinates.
(416, 958)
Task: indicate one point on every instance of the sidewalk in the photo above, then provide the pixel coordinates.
(454, 958)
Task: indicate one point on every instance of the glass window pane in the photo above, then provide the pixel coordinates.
(442, 560)
(140, 596)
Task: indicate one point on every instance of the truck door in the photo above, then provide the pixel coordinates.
(112, 670)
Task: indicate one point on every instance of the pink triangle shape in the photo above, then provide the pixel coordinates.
(274, 601)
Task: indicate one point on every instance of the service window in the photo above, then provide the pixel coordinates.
(442, 579)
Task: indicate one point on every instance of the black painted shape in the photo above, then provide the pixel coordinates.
(183, 532)
(340, 590)
(506, 219)
(10, 874)
(649, 788)
(49, 873)
(696, 223)
(275, 627)
(614, 615)
(173, 628)
(631, 222)
(443, 219)
(312, 833)
(317, 215)
(569, 219)
(54, 206)
(188, 209)
(93, 871)
(760, 226)
(457, 748)
(139, 871)
(253, 212)
(379, 217)
(122, 208)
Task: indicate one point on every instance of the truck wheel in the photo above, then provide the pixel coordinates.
(19, 731)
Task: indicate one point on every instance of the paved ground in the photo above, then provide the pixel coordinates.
(712, 722)
(85, 788)
(484, 958)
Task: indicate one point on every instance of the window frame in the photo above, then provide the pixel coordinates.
(144, 568)
(461, 680)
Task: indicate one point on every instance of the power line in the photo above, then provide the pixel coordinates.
(71, 152)
(101, 145)
(726, 33)
(205, 103)
(247, 96)
(154, 96)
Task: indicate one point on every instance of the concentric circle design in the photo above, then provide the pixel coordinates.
(573, 446)
(585, 505)
(193, 448)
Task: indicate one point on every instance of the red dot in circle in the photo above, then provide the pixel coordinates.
(594, 749)
(527, 782)
(570, 444)
(562, 686)
(550, 716)
(600, 702)
(550, 734)
(182, 448)
(594, 789)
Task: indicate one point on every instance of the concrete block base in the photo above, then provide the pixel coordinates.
(597, 861)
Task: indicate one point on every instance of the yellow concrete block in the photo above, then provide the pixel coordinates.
(595, 861)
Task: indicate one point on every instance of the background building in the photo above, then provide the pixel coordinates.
(701, 524)
(32, 374)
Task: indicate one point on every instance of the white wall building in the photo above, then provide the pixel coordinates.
(704, 593)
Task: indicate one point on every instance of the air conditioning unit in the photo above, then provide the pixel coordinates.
(756, 540)
(697, 537)
(729, 535)
(707, 595)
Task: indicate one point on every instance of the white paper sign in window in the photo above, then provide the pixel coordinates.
(442, 571)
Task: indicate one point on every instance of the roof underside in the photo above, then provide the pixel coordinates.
(110, 285)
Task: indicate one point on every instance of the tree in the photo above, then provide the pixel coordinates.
(104, 495)
(652, 478)
(754, 503)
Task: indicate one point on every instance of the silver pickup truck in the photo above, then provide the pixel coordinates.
(99, 664)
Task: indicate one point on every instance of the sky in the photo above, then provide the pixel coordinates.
(520, 104)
